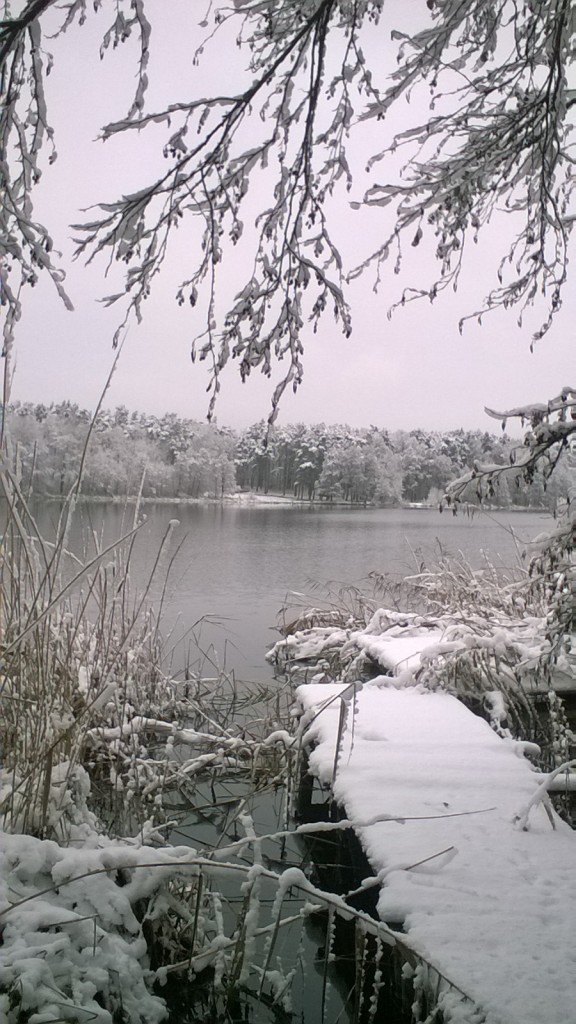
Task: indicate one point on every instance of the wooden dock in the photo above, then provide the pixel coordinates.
(474, 871)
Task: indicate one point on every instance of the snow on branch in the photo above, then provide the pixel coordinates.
(551, 427)
(541, 796)
(500, 140)
(26, 246)
(496, 136)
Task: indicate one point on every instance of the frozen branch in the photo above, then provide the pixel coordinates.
(497, 136)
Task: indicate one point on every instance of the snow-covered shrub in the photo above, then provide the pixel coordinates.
(72, 942)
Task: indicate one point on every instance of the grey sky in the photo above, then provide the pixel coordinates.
(415, 370)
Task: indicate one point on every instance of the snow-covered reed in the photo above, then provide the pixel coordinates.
(489, 636)
(77, 652)
(99, 743)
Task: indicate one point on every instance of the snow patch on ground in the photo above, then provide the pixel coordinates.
(396, 653)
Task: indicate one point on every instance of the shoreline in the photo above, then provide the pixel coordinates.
(256, 499)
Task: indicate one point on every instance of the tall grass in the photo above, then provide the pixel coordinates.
(84, 687)
(76, 649)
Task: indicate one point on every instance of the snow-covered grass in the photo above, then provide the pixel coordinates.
(79, 651)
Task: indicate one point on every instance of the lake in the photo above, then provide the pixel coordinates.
(236, 567)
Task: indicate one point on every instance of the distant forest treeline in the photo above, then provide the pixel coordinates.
(169, 457)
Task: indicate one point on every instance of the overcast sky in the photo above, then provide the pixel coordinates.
(413, 370)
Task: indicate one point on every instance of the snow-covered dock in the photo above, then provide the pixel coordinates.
(471, 865)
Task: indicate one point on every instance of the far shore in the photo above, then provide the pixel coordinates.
(240, 499)
(252, 499)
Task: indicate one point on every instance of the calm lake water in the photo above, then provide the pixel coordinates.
(236, 567)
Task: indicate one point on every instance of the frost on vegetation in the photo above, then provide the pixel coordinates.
(76, 923)
(71, 939)
(88, 700)
(96, 742)
(494, 642)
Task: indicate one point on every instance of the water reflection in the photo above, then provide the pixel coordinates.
(232, 568)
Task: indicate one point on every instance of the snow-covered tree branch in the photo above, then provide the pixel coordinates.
(259, 165)
(551, 426)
